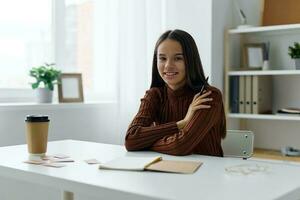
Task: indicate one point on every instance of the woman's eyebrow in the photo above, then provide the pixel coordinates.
(176, 54)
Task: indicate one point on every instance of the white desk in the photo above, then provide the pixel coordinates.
(211, 181)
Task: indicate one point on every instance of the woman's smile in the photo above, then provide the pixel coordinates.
(170, 75)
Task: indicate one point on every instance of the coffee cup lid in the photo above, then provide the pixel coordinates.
(37, 118)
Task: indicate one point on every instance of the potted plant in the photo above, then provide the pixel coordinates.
(294, 52)
(46, 77)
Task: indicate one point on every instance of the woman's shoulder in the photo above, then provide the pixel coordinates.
(215, 91)
(154, 93)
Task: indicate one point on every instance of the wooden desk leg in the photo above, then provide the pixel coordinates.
(68, 195)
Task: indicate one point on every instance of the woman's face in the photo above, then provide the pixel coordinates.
(170, 63)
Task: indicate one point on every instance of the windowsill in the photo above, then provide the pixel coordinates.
(54, 105)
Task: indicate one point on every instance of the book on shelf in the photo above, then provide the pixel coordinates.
(151, 164)
(289, 111)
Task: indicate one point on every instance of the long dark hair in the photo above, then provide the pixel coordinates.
(195, 77)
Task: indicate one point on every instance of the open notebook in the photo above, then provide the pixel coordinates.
(152, 164)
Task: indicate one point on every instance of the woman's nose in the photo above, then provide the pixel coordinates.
(169, 63)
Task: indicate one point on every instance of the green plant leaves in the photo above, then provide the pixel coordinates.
(35, 85)
(294, 51)
(46, 74)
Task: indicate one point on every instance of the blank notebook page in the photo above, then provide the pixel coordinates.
(129, 163)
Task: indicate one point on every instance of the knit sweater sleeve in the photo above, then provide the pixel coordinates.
(141, 133)
(184, 141)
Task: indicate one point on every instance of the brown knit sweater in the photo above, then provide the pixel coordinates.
(154, 127)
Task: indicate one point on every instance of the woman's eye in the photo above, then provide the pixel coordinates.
(162, 58)
(178, 58)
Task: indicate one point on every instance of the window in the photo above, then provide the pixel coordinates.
(86, 49)
(80, 36)
(46, 31)
(25, 40)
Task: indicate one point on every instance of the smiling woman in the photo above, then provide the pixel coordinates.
(176, 115)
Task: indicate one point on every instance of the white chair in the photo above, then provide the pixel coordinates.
(238, 143)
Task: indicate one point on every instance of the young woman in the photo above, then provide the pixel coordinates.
(180, 114)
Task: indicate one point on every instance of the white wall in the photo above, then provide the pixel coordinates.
(253, 10)
(92, 122)
(221, 21)
(193, 16)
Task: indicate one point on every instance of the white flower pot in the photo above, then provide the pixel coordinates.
(44, 95)
(297, 63)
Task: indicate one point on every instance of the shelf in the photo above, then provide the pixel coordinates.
(267, 72)
(273, 155)
(257, 29)
(52, 106)
(264, 116)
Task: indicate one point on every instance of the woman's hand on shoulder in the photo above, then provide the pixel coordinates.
(200, 101)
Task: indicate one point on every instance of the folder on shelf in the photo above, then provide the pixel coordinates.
(262, 94)
(242, 94)
(248, 94)
(234, 94)
(151, 164)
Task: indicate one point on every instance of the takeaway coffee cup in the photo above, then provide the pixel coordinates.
(37, 133)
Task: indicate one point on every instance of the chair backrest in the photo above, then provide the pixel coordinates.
(238, 143)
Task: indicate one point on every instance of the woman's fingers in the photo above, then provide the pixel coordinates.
(200, 101)
(203, 95)
(201, 107)
(197, 104)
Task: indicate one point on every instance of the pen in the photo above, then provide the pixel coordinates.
(202, 88)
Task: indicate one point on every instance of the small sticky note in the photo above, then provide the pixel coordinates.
(57, 165)
(62, 160)
(61, 156)
(47, 157)
(92, 161)
(35, 162)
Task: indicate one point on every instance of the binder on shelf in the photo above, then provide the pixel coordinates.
(242, 94)
(262, 94)
(234, 94)
(248, 94)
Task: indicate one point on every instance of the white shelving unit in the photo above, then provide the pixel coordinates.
(267, 72)
(265, 29)
(282, 67)
(264, 116)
